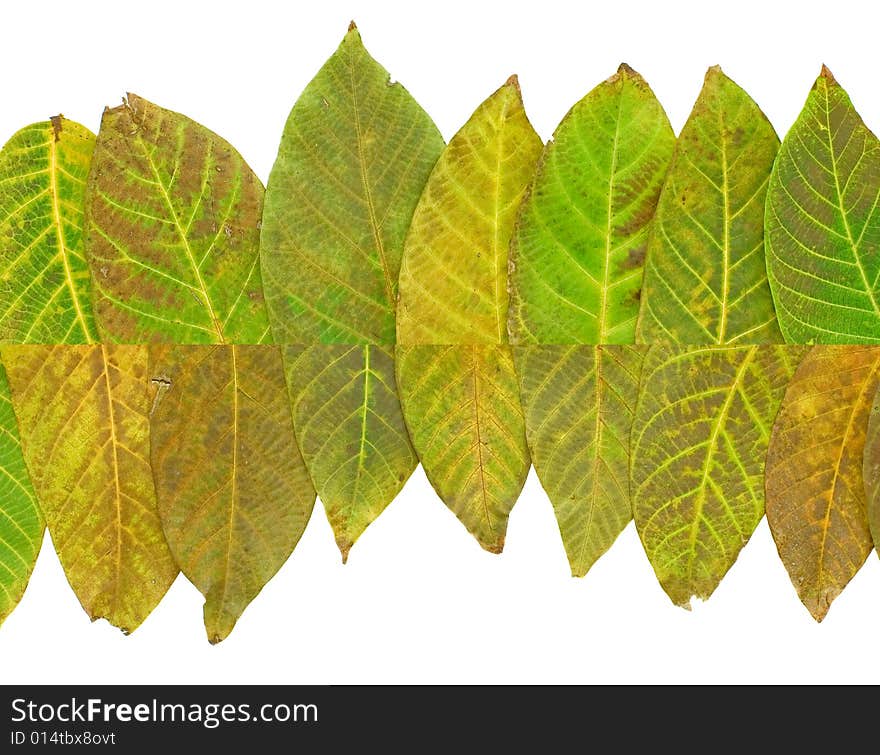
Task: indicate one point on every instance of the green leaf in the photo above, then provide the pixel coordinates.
(578, 250)
(83, 416)
(815, 488)
(234, 495)
(453, 280)
(823, 223)
(700, 435)
(351, 432)
(354, 156)
(705, 276)
(172, 232)
(455, 372)
(462, 408)
(579, 402)
(21, 523)
(45, 291)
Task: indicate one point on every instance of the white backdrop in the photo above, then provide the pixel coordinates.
(419, 601)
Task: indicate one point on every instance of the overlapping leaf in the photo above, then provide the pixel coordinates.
(351, 432)
(172, 232)
(815, 488)
(700, 435)
(21, 523)
(45, 292)
(234, 495)
(705, 276)
(579, 402)
(354, 156)
(823, 223)
(578, 250)
(455, 372)
(83, 416)
(463, 412)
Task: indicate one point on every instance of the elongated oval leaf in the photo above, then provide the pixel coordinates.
(83, 415)
(234, 495)
(462, 408)
(354, 156)
(351, 431)
(823, 223)
(578, 250)
(172, 232)
(705, 276)
(460, 400)
(21, 522)
(815, 488)
(579, 402)
(453, 280)
(45, 291)
(700, 435)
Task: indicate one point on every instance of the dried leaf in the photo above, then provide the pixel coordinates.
(45, 291)
(234, 495)
(83, 416)
(815, 489)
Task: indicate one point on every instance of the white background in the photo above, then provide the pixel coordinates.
(419, 601)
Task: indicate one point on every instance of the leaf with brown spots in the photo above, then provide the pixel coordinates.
(172, 232)
(815, 485)
(83, 414)
(234, 495)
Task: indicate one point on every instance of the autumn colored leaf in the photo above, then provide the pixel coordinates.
(83, 415)
(45, 290)
(577, 254)
(354, 156)
(234, 495)
(871, 470)
(351, 431)
(823, 223)
(579, 402)
(21, 522)
(455, 370)
(172, 232)
(705, 275)
(815, 486)
(700, 436)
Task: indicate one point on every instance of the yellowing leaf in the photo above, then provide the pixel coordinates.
(705, 277)
(578, 250)
(83, 416)
(354, 156)
(823, 223)
(351, 431)
(579, 402)
(455, 372)
(815, 488)
(463, 412)
(871, 470)
(700, 436)
(234, 495)
(45, 291)
(21, 523)
(172, 232)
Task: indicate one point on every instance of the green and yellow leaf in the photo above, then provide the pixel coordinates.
(172, 232)
(577, 254)
(705, 275)
(234, 495)
(45, 290)
(815, 486)
(351, 431)
(463, 412)
(354, 156)
(21, 523)
(83, 416)
(823, 223)
(700, 436)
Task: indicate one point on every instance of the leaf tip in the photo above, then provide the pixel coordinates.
(625, 69)
(513, 81)
(57, 122)
(826, 76)
(352, 26)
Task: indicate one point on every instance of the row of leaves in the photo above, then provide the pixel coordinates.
(432, 303)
